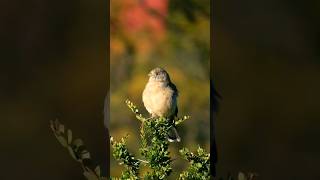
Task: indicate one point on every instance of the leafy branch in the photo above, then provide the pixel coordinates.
(199, 164)
(122, 154)
(77, 150)
(154, 148)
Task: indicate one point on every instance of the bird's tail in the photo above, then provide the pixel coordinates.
(173, 135)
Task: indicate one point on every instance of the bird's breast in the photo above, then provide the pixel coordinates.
(159, 100)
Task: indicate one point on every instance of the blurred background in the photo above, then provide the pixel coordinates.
(267, 68)
(53, 64)
(175, 35)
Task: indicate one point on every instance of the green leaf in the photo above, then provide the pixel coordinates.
(181, 120)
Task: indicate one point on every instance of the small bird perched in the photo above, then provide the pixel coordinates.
(160, 98)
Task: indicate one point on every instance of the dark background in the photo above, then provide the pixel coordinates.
(53, 65)
(267, 68)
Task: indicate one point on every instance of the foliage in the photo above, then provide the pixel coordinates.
(121, 153)
(154, 149)
(199, 164)
(77, 150)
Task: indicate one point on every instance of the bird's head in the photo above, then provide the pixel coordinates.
(159, 75)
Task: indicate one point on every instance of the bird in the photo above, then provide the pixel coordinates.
(160, 99)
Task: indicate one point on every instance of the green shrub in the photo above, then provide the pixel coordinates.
(154, 149)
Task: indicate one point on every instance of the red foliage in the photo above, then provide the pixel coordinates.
(137, 16)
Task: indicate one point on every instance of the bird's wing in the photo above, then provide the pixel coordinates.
(175, 93)
(176, 112)
(174, 88)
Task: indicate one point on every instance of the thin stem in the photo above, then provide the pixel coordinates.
(144, 161)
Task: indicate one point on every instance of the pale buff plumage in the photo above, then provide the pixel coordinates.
(160, 98)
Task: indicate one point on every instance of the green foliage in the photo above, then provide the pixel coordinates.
(199, 164)
(121, 153)
(154, 148)
(156, 151)
(154, 145)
